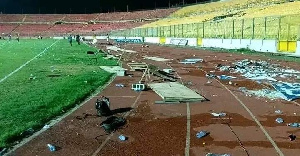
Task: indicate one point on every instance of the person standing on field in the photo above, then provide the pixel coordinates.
(78, 39)
(70, 39)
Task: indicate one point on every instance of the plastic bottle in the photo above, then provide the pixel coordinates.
(51, 147)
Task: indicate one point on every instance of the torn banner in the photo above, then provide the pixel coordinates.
(289, 91)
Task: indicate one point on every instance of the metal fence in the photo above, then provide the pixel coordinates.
(276, 27)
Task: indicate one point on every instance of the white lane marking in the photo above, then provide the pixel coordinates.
(10, 74)
(188, 120)
(188, 130)
(255, 119)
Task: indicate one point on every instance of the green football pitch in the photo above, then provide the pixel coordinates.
(41, 79)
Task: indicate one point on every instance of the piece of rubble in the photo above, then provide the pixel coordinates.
(212, 154)
(293, 124)
(279, 120)
(218, 114)
(202, 134)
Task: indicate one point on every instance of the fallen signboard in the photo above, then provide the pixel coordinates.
(128, 40)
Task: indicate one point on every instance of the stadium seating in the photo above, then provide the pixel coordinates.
(80, 17)
(233, 9)
(7, 28)
(40, 18)
(11, 18)
(61, 24)
(31, 29)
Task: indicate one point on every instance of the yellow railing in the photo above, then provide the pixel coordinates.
(274, 27)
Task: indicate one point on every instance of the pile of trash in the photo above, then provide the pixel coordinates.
(269, 73)
(262, 70)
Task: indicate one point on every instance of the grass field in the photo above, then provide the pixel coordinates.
(61, 78)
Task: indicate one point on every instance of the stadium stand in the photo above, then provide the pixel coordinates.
(228, 9)
(80, 17)
(7, 28)
(61, 24)
(31, 29)
(9, 18)
(41, 18)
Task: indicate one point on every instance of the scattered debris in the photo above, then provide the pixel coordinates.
(28, 132)
(225, 77)
(271, 94)
(32, 77)
(191, 61)
(113, 123)
(294, 124)
(122, 138)
(212, 154)
(46, 127)
(137, 66)
(289, 91)
(262, 70)
(218, 114)
(138, 87)
(292, 137)
(202, 134)
(279, 120)
(120, 85)
(224, 68)
(168, 71)
(157, 59)
(117, 49)
(52, 148)
(278, 112)
(175, 92)
(102, 107)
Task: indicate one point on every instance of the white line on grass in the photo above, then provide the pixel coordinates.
(60, 118)
(10, 74)
(255, 119)
(109, 137)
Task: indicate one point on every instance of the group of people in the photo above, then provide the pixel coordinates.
(10, 37)
(77, 38)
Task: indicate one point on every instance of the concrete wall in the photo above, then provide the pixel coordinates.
(212, 42)
(152, 40)
(269, 46)
(298, 48)
(257, 45)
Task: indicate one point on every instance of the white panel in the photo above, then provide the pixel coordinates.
(227, 44)
(211, 42)
(256, 45)
(168, 40)
(298, 48)
(152, 39)
(117, 37)
(133, 38)
(269, 46)
(58, 38)
(236, 44)
(245, 43)
(192, 41)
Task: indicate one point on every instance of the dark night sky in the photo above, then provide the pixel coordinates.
(82, 6)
